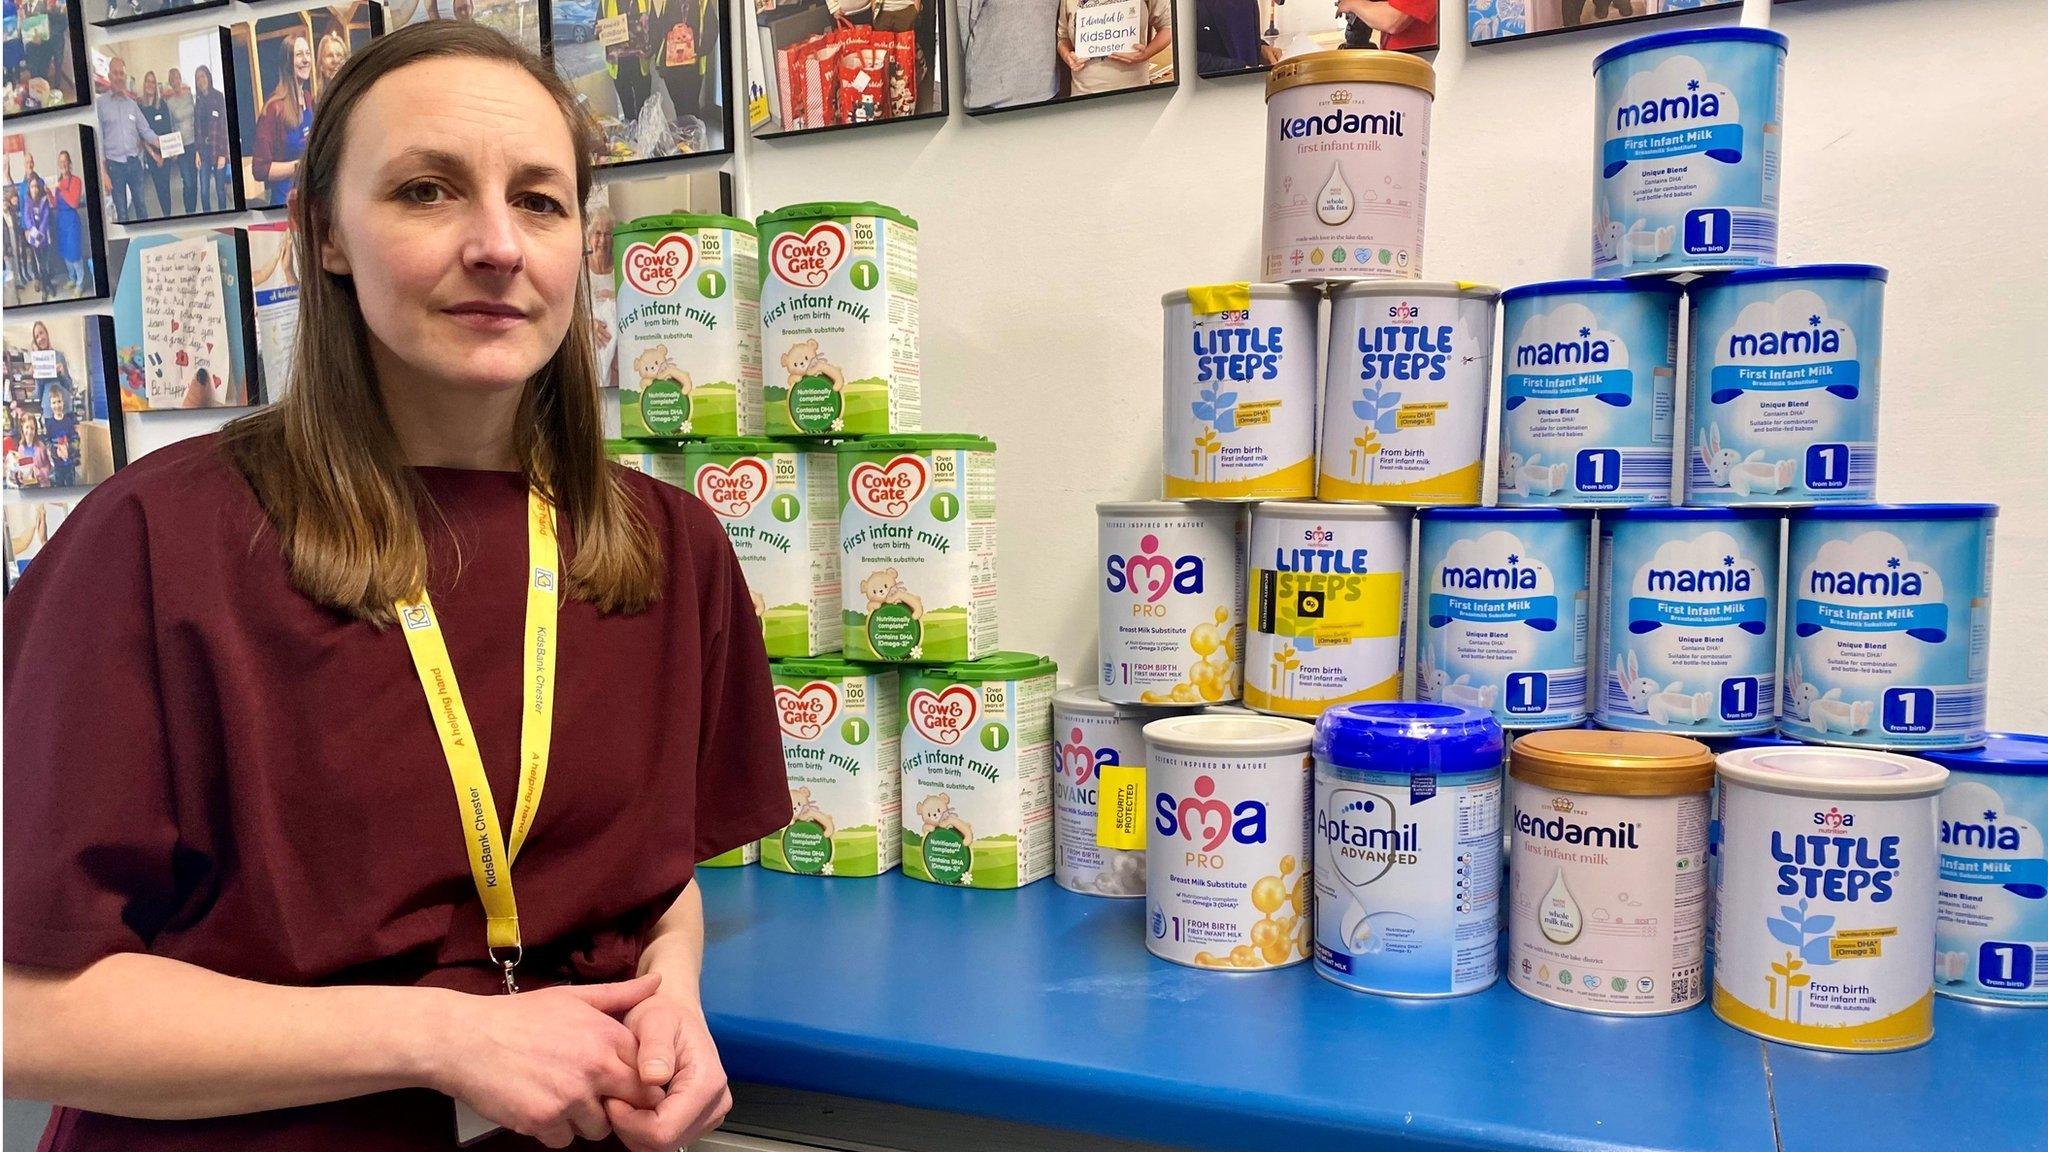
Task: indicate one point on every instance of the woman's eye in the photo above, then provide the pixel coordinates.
(424, 192)
(546, 205)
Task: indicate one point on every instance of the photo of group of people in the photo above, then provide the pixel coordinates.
(44, 56)
(519, 20)
(1023, 53)
(282, 66)
(184, 333)
(1490, 20)
(52, 214)
(1234, 36)
(60, 428)
(165, 146)
(653, 74)
(823, 64)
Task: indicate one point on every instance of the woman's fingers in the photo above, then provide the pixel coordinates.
(588, 1118)
(654, 1029)
(618, 998)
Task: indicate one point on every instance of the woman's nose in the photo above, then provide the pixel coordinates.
(494, 243)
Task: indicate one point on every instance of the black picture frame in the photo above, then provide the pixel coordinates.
(96, 334)
(561, 14)
(108, 17)
(804, 22)
(245, 41)
(224, 79)
(1166, 86)
(95, 238)
(1475, 16)
(240, 300)
(81, 76)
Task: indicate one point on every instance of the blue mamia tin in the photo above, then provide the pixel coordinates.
(1991, 902)
(1888, 625)
(1505, 611)
(1785, 366)
(1588, 383)
(1690, 127)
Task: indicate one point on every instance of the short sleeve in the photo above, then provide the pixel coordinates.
(91, 837)
(1420, 11)
(742, 787)
(1161, 13)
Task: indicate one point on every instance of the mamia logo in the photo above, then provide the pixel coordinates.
(1985, 842)
(1870, 584)
(1148, 575)
(656, 269)
(1833, 820)
(942, 717)
(1700, 583)
(1673, 110)
(1790, 344)
(1208, 821)
(1082, 762)
(1565, 354)
(732, 491)
(806, 711)
(888, 490)
(1491, 580)
(808, 260)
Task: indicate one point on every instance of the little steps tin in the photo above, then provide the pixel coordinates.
(1327, 595)
(1241, 391)
(1991, 930)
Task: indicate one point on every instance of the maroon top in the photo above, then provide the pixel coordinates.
(203, 764)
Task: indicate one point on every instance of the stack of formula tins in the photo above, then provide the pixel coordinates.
(867, 545)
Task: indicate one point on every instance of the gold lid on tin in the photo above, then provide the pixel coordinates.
(1352, 65)
(1612, 763)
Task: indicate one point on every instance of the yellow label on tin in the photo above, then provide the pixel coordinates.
(1210, 299)
(1119, 814)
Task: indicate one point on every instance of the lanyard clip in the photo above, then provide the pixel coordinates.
(508, 961)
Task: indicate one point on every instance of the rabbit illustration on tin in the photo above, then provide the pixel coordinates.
(1433, 683)
(1750, 475)
(1826, 711)
(1535, 477)
(1671, 704)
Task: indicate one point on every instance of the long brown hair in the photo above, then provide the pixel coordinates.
(325, 462)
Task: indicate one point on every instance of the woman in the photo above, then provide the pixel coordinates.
(264, 932)
(58, 381)
(69, 193)
(28, 462)
(287, 118)
(210, 123)
(39, 232)
(183, 106)
(17, 245)
(157, 112)
(333, 54)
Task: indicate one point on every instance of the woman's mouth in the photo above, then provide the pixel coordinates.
(485, 315)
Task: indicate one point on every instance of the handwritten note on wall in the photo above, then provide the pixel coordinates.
(185, 346)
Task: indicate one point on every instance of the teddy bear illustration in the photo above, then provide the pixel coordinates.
(655, 363)
(805, 808)
(804, 359)
(936, 810)
(883, 586)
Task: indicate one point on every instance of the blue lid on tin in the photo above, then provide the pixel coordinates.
(1505, 514)
(1689, 36)
(1896, 512)
(1411, 739)
(1566, 287)
(2003, 754)
(1795, 272)
(1689, 515)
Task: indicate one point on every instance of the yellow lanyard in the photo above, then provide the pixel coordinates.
(490, 857)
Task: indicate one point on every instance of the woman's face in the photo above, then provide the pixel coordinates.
(40, 336)
(454, 210)
(333, 54)
(202, 80)
(63, 163)
(149, 87)
(302, 58)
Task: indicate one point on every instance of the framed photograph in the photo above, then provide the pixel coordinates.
(655, 75)
(1493, 20)
(167, 145)
(184, 336)
(520, 20)
(1028, 53)
(282, 65)
(1233, 37)
(52, 205)
(45, 57)
(110, 12)
(274, 299)
(30, 524)
(828, 64)
(63, 422)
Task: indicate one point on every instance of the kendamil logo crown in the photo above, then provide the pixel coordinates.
(1341, 96)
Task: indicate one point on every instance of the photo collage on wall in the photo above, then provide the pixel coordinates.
(44, 57)
(106, 12)
(166, 139)
(654, 74)
(519, 20)
(283, 64)
(53, 228)
(1025, 53)
(1493, 20)
(184, 331)
(815, 65)
(63, 429)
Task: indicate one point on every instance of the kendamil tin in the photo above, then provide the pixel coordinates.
(1589, 375)
(1689, 602)
(1407, 848)
(1888, 625)
(1328, 589)
(1405, 393)
(689, 328)
(1827, 897)
(1785, 366)
(1241, 391)
(1090, 734)
(1690, 128)
(1347, 166)
(1991, 926)
(1170, 602)
(1505, 612)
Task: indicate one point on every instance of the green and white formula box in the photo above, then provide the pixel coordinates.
(917, 555)
(662, 461)
(740, 857)
(977, 771)
(841, 727)
(776, 501)
(689, 327)
(839, 321)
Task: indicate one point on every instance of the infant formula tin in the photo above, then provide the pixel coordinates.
(1227, 845)
(917, 545)
(1689, 611)
(1407, 836)
(1505, 610)
(1347, 166)
(839, 321)
(1090, 734)
(1718, 746)
(1608, 886)
(1241, 392)
(1405, 393)
(663, 461)
(1170, 607)
(1889, 625)
(1991, 925)
(841, 733)
(977, 771)
(1329, 586)
(778, 504)
(740, 857)
(1589, 372)
(1784, 385)
(1690, 129)
(688, 351)
(1828, 869)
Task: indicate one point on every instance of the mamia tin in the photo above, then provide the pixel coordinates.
(977, 771)
(917, 542)
(1170, 606)
(839, 320)
(1589, 373)
(1329, 586)
(689, 329)
(1608, 885)
(1505, 611)
(1347, 166)
(1689, 605)
(1784, 385)
(1828, 868)
(1691, 124)
(841, 735)
(1227, 842)
(1407, 836)
(776, 500)
(1241, 392)
(662, 461)
(1889, 625)
(1991, 926)
(1089, 735)
(1405, 393)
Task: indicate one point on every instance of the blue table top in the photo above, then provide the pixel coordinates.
(1042, 1006)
